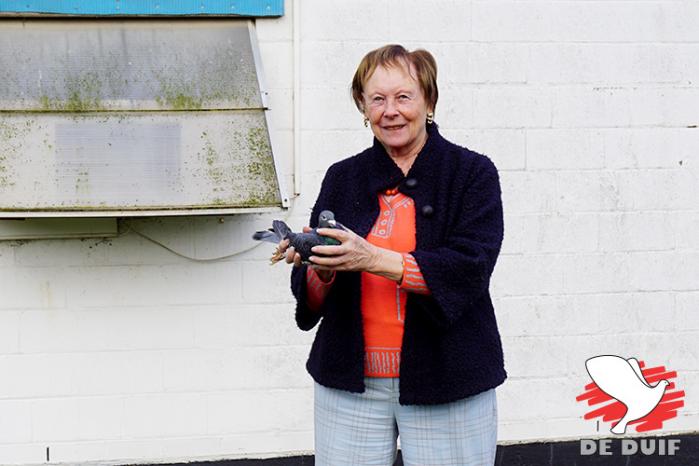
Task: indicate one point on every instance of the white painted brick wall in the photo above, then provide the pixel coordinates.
(120, 350)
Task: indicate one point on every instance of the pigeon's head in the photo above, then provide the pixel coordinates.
(663, 383)
(326, 219)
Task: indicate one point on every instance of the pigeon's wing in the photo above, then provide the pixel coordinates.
(303, 242)
(266, 235)
(633, 362)
(325, 240)
(281, 229)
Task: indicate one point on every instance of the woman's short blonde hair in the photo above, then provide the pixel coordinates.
(396, 55)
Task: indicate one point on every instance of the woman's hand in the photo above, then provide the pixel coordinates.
(356, 254)
(293, 257)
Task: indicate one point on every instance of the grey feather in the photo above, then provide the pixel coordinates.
(266, 235)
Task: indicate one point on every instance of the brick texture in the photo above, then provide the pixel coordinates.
(120, 350)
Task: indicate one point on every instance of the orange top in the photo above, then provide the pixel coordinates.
(383, 300)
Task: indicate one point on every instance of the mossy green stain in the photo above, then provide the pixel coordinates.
(180, 101)
(224, 77)
(12, 135)
(240, 169)
(45, 102)
(210, 152)
(81, 94)
(261, 168)
(214, 170)
(10, 131)
(178, 96)
(82, 182)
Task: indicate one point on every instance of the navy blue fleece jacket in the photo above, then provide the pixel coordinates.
(451, 345)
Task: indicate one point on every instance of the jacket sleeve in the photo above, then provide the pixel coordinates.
(317, 289)
(458, 271)
(307, 318)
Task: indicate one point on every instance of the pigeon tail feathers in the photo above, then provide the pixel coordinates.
(266, 235)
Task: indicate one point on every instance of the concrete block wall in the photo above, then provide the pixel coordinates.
(119, 350)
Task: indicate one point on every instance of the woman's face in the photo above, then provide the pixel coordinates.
(396, 109)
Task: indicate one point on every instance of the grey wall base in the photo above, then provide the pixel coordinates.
(527, 454)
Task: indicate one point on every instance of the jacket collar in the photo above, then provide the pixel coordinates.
(383, 172)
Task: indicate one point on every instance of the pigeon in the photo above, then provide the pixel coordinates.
(623, 380)
(302, 242)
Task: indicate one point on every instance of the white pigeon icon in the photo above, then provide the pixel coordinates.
(623, 380)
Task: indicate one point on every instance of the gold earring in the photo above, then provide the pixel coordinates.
(430, 118)
(366, 122)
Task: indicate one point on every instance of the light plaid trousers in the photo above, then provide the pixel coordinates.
(361, 428)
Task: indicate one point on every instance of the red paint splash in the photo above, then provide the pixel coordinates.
(613, 410)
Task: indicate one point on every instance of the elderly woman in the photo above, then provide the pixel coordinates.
(408, 344)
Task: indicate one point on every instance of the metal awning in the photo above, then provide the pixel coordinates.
(133, 117)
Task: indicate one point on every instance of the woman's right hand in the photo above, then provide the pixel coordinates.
(293, 257)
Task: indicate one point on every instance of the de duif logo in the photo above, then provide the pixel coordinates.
(629, 395)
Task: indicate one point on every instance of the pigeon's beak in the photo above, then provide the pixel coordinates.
(332, 223)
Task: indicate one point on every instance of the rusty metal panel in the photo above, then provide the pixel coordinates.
(127, 117)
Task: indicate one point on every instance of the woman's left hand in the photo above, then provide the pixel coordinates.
(354, 254)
